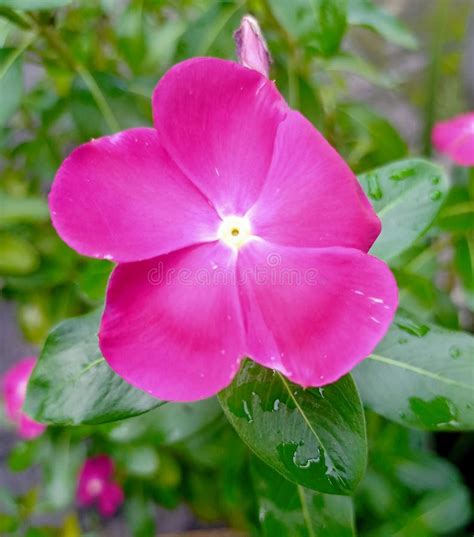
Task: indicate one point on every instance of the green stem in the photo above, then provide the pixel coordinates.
(14, 17)
(56, 42)
(433, 78)
(16, 53)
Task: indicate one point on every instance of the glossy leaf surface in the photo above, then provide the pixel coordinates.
(407, 196)
(290, 510)
(72, 383)
(303, 434)
(421, 376)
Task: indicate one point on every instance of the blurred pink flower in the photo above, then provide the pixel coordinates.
(15, 382)
(252, 50)
(96, 486)
(455, 138)
(239, 231)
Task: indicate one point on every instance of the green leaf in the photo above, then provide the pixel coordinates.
(348, 63)
(168, 424)
(303, 434)
(464, 263)
(11, 82)
(407, 196)
(18, 257)
(22, 456)
(317, 24)
(92, 280)
(34, 4)
(457, 214)
(366, 13)
(365, 138)
(447, 510)
(421, 376)
(18, 210)
(139, 460)
(140, 512)
(72, 383)
(289, 510)
(202, 35)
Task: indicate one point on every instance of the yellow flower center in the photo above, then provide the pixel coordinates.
(235, 231)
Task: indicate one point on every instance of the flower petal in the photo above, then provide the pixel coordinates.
(172, 325)
(311, 198)
(28, 428)
(111, 499)
(15, 383)
(218, 121)
(94, 474)
(121, 197)
(313, 314)
(455, 137)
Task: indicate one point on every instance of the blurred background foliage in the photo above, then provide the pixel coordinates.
(374, 85)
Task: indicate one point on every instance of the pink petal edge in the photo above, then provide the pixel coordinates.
(15, 382)
(455, 138)
(218, 121)
(172, 325)
(313, 314)
(311, 198)
(121, 198)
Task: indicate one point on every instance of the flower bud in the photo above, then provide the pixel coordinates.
(252, 49)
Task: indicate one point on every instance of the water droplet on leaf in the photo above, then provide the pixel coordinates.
(455, 352)
(375, 191)
(401, 175)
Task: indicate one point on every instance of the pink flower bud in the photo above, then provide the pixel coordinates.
(252, 49)
(96, 485)
(14, 391)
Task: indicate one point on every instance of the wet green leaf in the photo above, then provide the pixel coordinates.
(289, 510)
(407, 196)
(421, 376)
(303, 434)
(72, 383)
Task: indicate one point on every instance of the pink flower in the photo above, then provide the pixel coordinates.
(239, 231)
(455, 138)
(15, 383)
(252, 50)
(96, 487)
